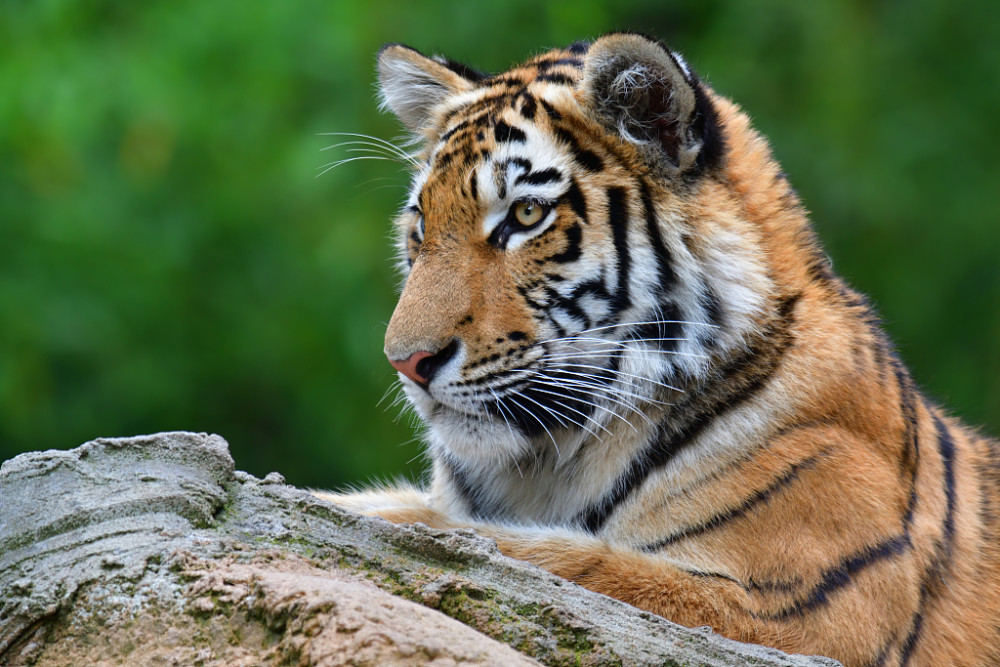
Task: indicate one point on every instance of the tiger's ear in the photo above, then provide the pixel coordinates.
(411, 84)
(648, 95)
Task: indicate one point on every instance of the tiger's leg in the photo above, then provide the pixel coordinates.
(684, 595)
(399, 504)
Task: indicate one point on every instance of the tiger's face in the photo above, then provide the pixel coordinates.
(561, 280)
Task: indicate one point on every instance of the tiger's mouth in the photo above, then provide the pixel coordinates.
(560, 393)
(577, 383)
(542, 400)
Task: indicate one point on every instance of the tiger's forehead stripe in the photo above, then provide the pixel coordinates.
(514, 88)
(471, 118)
(499, 148)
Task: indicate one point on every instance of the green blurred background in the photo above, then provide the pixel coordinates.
(169, 260)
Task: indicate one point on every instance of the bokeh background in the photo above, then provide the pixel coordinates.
(169, 259)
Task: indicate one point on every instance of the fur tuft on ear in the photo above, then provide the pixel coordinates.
(648, 95)
(411, 84)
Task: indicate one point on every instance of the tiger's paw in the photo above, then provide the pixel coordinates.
(404, 505)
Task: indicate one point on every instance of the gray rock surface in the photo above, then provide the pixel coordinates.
(154, 550)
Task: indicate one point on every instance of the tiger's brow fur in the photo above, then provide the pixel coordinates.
(662, 391)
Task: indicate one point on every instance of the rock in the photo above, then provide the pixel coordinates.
(155, 551)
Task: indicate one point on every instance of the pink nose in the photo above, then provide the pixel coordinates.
(408, 367)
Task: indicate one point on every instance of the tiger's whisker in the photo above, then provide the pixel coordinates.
(598, 406)
(537, 418)
(378, 140)
(334, 165)
(640, 324)
(568, 407)
(614, 398)
(640, 378)
(617, 398)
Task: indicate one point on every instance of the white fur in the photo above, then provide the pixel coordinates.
(552, 477)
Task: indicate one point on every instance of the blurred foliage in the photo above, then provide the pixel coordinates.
(168, 259)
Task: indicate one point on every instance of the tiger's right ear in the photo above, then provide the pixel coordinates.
(411, 84)
(646, 94)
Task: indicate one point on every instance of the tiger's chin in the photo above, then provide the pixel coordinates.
(479, 442)
(478, 438)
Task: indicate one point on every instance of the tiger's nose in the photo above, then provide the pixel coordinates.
(422, 366)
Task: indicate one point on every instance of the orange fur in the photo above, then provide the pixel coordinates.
(814, 501)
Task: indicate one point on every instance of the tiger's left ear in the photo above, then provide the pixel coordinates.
(411, 84)
(647, 94)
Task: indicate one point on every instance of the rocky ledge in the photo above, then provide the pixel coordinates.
(154, 550)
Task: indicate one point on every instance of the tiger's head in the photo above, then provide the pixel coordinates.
(575, 250)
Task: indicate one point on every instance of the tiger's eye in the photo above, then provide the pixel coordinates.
(528, 213)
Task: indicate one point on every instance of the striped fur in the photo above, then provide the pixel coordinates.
(660, 390)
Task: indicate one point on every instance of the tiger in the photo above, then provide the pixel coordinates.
(638, 370)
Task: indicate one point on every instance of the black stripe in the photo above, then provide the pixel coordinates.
(712, 306)
(818, 265)
(735, 387)
(748, 586)
(461, 69)
(554, 299)
(501, 170)
(587, 159)
(546, 65)
(706, 125)
(453, 131)
(574, 234)
(576, 200)
(910, 456)
(744, 507)
(550, 110)
(860, 305)
(555, 77)
(560, 329)
(755, 366)
(841, 575)
(523, 163)
(664, 334)
(444, 159)
(570, 306)
(509, 79)
(555, 402)
(881, 353)
(664, 263)
(773, 586)
(539, 177)
(946, 447)
(916, 626)
(933, 576)
(474, 187)
(528, 106)
(477, 113)
(618, 220)
(652, 457)
(881, 656)
(594, 288)
(712, 575)
(461, 483)
(503, 132)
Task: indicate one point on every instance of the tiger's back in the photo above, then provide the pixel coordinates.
(639, 371)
